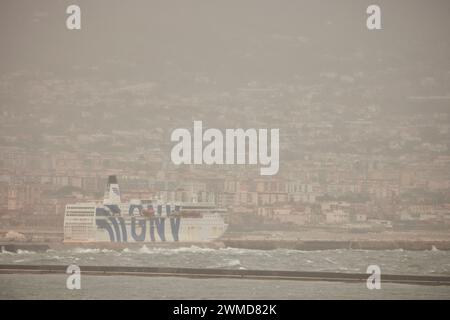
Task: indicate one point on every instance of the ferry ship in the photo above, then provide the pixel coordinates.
(141, 220)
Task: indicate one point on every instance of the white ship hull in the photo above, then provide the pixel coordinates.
(146, 230)
(141, 220)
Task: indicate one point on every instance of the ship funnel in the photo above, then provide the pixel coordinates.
(112, 192)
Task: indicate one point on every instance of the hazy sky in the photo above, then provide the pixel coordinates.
(149, 38)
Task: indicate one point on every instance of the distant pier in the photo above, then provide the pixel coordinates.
(311, 245)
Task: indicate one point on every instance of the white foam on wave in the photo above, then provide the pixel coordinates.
(169, 251)
(91, 250)
(194, 249)
(330, 261)
(294, 252)
(349, 269)
(242, 251)
(85, 250)
(144, 249)
(227, 263)
(19, 251)
(232, 262)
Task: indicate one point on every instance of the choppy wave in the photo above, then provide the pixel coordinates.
(391, 261)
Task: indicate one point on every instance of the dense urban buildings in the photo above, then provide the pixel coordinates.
(349, 165)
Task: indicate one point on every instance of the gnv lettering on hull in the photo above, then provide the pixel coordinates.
(115, 227)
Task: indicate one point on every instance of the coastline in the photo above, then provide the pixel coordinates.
(305, 240)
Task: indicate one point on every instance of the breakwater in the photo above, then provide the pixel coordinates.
(225, 273)
(310, 245)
